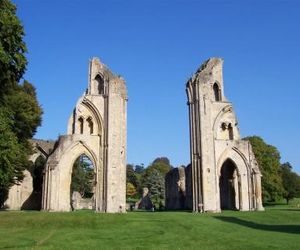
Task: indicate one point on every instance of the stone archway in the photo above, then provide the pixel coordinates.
(240, 177)
(83, 184)
(229, 186)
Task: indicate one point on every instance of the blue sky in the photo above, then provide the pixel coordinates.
(156, 46)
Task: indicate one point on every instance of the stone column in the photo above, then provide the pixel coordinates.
(259, 206)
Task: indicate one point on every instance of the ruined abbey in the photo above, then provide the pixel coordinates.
(223, 173)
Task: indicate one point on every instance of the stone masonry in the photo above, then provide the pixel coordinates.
(96, 128)
(225, 174)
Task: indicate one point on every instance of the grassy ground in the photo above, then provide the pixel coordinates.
(276, 228)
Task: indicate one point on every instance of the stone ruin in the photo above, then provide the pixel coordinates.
(178, 189)
(145, 202)
(97, 129)
(223, 173)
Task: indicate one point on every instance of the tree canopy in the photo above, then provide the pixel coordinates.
(12, 47)
(20, 112)
(290, 181)
(268, 158)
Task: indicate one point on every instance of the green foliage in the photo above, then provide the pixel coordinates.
(152, 177)
(20, 112)
(268, 158)
(12, 47)
(13, 156)
(25, 110)
(83, 177)
(161, 164)
(130, 190)
(291, 182)
(131, 176)
(155, 182)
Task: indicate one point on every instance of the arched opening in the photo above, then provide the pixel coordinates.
(80, 120)
(229, 186)
(91, 125)
(34, 201)
(217, 92)
(100, 84)
(83, 184)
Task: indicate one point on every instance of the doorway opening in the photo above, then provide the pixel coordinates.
(83, 182)
(229, 186)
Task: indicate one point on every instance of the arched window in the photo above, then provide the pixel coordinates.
(80, 121)
(91, 125)
(217, 92)
(230, 131)
(100, 83)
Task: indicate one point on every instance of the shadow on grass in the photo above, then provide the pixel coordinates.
(293, 229)
(290, 209)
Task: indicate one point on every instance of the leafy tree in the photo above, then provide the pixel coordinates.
(291, 182)
(25, 110)
(131, 176)
(12, 47)
(139, 169)
(20, 112)
(130, 189)
(161, 164)
(268, 158)
(155, 182)
(12, 156)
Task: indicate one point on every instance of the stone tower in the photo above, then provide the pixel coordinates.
(225, 174)
(96, 128)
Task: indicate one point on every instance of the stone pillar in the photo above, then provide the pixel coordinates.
(259, 206)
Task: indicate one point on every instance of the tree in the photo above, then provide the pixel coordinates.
(161, 164)
(290, 181)
(131, 176)
(268, 158)
(12, 47)
(25, 110)
(83, 177)
(139, 169)
(12, 156)
(155, 182)
(20, 111)
(130, 189)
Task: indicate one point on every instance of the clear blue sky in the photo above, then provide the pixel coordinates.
(156, 46)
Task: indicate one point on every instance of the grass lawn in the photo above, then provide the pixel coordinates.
(276, 228)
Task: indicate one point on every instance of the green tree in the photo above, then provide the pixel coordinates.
(12, 47)
(130, 189)
(139, 169)
(12, 156)
(83, 177)
(131, 176)
(25, 110)
(20, 112)
(268, 158)
(155, 182)
(291, 182)
(161, 164)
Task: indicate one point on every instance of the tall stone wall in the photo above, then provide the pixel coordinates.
(96, 128)
(215, 140)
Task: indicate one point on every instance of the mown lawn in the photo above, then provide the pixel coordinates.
(276, 228)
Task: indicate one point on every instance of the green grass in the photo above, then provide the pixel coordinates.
(276, 228)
